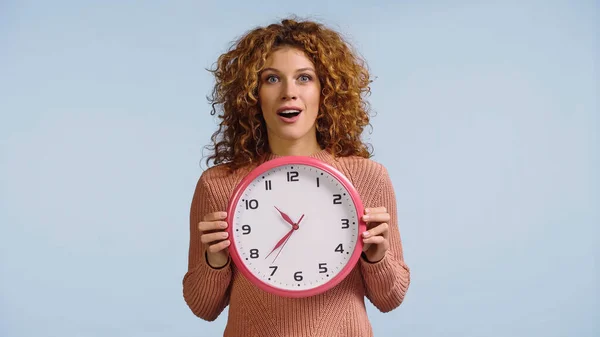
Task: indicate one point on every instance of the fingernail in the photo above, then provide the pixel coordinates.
(225, 235)
(366, 234)
(224, 225)
(366, 217)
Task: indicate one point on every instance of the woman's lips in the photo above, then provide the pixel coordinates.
(290, 120)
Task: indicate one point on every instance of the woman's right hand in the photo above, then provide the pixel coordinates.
(213, 229)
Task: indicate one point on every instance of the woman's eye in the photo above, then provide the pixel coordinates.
(304, 78)
(271, 79)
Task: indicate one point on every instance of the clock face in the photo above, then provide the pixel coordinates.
(295, 228)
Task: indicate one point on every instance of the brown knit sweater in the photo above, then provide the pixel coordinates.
(338, 312)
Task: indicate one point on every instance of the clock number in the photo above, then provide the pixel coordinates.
(253, 253)
(292, 176)
(246, 229)
(318, 182)
(252, 204)
(267, 185)
(322, 268)
(337, 199)
(274, 270)
(339, 248)
(298, 276)
(345, 223)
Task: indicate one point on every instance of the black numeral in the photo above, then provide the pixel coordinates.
(251, 204)
(345, 223)
(337, 199)
(292, 176)
(318, 182)
(253, 253)
(298, 276)
(246, 229)
(339, 248)
(322, 268)
(274, 270)
(267, 185)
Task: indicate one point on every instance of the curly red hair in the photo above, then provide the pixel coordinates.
(241, 138)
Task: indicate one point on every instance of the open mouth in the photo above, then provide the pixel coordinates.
(289, 113)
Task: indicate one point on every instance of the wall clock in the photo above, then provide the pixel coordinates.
(295, 226)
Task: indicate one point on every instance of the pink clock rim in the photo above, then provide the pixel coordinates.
(299, 160)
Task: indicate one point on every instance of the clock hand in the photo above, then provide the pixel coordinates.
(281, 248)
(287, 236)
(298, 223)
(282, 241)
(296, 227)
(285, 216)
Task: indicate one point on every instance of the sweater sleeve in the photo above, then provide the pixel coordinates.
(387, 280)
(205, 289)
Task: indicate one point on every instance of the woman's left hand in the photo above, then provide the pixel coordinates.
(375, 238)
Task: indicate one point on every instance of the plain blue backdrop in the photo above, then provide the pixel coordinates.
(487, 120)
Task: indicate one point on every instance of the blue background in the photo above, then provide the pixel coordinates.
(487, 120)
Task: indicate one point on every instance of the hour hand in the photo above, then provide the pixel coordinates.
(285, 217)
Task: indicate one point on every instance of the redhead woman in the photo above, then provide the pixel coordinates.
(294, 88)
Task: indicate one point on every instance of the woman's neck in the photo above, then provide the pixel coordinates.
(282, 148)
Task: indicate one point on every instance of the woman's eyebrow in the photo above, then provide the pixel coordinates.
(297, 70)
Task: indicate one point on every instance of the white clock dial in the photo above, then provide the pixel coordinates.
(322, 244)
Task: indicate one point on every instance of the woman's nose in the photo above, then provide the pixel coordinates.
(289, 91)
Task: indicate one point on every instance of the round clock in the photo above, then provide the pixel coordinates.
(295, 226)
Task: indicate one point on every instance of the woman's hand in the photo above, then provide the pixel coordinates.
(375, 238)
(214, 236)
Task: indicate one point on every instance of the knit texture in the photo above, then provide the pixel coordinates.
(339, 311)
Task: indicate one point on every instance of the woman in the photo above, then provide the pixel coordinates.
(293, 88)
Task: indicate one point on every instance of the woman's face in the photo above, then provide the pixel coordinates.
(289, 97)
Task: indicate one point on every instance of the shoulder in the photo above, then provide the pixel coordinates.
(216, 184)
(362, 170)
(215, 173)
(217, 176)
(369, 177)
(221, 172)
(211, 176)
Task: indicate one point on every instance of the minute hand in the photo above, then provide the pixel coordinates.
(282, 241)
(286, 237)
